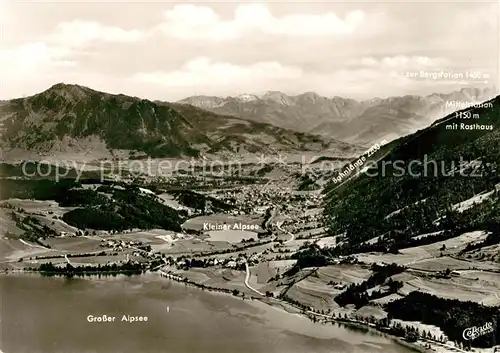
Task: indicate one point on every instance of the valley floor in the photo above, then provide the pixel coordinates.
(257, 264)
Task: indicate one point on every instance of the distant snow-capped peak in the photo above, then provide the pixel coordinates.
(246, 97)
(205, 102)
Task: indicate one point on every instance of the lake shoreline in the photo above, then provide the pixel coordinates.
(436, 347)
(273, 303)
(290, 309)
(277, 304)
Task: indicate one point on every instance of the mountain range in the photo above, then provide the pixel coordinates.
(358, 122)
(74, 119)
(71, 119)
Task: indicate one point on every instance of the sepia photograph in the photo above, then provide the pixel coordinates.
(249, 176)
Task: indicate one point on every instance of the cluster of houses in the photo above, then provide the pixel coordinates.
(236, 263)
(257, 198)
(119, 245)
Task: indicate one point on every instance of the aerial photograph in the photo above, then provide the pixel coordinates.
(275, 176)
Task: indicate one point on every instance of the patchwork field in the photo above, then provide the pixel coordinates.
(249, 251)
(152, 236)
(445, 262)
(35, 263)
(7, 224)
(490, 278)
(428, 257)
(387, 299)
(264, 272)
(189, 246)
(371, 311)
(315, 293)
(455, 288)
(16, 249)
(293, 245)
(311, 233)
(74, 244)
(48, 213)
(170, 243)
(345, 274)
(400, 259)
(319, 289)
(491, 252)
(450, 246)
(11, 248)
(219, 278)
(40, 207)
(327, 242)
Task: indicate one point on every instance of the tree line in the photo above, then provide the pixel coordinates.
(451, 315)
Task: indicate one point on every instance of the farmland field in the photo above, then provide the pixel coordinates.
(314, 293)
(453, 245)
(443, 263)
(400, 259)
(74, 244)
(345, 274)
(217, 277)
(457, 287)
(232, 236)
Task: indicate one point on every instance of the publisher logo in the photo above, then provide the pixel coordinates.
(472, 333)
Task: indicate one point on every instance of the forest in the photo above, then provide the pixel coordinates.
(451, 315)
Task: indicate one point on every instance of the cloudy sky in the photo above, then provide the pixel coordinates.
(168, 51)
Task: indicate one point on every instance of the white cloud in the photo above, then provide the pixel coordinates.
(314, 25)
(368, 62)
(78, 33)
(403, 62)
(31, 58)
(203, 76)
(201, 22)
(300, 48)
(55, 49)
(204, 72)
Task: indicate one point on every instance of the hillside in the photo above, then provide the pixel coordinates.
(425, 216)
(74, 119)
(362, 122)
(413, 188)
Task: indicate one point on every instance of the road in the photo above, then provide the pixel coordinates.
(492, 292)
(62, 252)
(34, 245)
(247, 278)
(292, 237)
(275, 210)
(248, 274)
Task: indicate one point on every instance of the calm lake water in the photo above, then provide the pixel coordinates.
(50, 315)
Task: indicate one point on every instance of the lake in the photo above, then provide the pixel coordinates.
(50, 315)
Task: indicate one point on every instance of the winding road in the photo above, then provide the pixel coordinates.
(248, 274)
(292, 237)
(247, 278)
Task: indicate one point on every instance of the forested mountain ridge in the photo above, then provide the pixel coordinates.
(391, 198)
(413, 216)
(72, 118)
